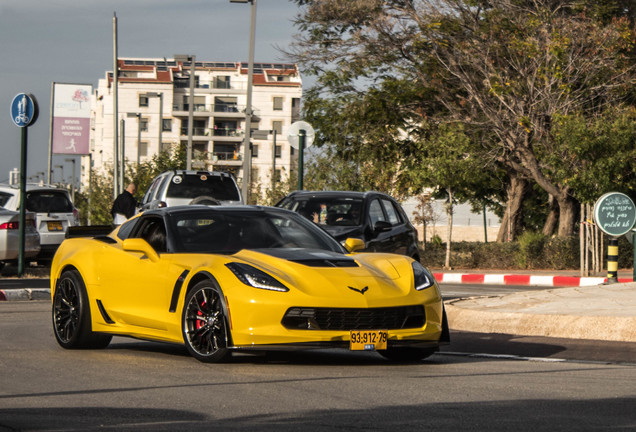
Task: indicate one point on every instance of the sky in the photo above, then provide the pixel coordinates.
(71, 41)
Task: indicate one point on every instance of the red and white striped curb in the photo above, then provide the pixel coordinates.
(518, 279)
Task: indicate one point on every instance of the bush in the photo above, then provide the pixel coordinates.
(532, 251)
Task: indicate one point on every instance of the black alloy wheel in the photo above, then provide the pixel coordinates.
(71, 315)
(204, 323)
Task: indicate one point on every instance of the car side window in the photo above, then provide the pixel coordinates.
(4, 197)
(126, 228)
(392, 214)
(151, 191)
(375, 212)
(153, 230)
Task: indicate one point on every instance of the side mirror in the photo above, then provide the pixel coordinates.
(354, 244)
(140, 245)
(381, 226)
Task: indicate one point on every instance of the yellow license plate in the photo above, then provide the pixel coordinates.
(54, 226)
(368, 340)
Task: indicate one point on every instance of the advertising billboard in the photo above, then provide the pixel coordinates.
(71, 118)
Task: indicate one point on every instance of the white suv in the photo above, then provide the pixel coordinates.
(180, 187)
(53, 208)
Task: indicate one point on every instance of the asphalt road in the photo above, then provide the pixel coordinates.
(135, 385)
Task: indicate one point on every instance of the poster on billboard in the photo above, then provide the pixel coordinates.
(71, 118)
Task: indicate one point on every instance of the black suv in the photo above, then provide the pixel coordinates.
(373, 217)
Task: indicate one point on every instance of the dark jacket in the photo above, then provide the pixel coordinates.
(124, 204)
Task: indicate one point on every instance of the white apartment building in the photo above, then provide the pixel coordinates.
(153, 102)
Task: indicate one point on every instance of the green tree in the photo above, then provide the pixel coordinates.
(95, 202)
(506, 69)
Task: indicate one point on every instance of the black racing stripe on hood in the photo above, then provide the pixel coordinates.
(311, 257)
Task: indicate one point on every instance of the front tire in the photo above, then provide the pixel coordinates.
(72, 316)
(204, 323)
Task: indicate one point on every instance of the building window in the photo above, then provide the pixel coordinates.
(278, 103)
(295, 109)
(144, 125)
(278, 151)
(278, 127)
(222, 82)
(254, 150)
(165, 147)
(143, 100)
(143, 148)
(167, 125)
(278, 174)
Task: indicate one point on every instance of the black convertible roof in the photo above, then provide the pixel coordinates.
(217, 208)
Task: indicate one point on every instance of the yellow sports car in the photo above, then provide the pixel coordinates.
(222, 279)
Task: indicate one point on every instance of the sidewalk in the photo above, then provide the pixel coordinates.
(587, 309)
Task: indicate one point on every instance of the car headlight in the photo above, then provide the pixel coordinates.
(423, 279)
(255, 278)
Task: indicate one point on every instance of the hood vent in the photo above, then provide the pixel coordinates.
(311, 257)
(327, 262)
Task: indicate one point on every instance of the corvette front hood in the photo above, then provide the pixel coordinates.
(361, 278)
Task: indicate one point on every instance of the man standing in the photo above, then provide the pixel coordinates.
(125, 205)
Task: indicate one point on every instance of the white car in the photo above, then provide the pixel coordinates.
(10, 236)
(54, 212)
(180, 187)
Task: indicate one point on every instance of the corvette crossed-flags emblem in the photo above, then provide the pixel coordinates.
(361, 291)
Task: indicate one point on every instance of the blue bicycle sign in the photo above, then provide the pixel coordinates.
(24, 110)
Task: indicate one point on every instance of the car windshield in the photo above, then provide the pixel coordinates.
(48, 202)
(230, 232)
(193, 186)
(329, 211)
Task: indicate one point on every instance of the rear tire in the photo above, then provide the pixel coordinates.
(204, 323)
(72, 316)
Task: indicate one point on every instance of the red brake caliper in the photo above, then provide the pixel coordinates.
(199, 313)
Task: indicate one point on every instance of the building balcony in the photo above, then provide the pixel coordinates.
(228, 156)
(218, 110)
(196, 131)
(227, 132)
(184, 109)
(228, 159)
(210, 85)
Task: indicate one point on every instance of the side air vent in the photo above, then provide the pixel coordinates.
(103, 312)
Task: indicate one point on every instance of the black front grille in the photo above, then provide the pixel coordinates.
(389, 318)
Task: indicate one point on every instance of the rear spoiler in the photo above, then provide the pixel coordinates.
(89, 231)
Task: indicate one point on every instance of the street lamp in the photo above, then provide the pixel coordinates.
(72, 179)
(264, 134)
(61, 167)
(247, 161)
(192, 59)
(138, 115)
(160, 96)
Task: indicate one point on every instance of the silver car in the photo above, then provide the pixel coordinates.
(180, 187)
(53, 208)
(10, 236)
